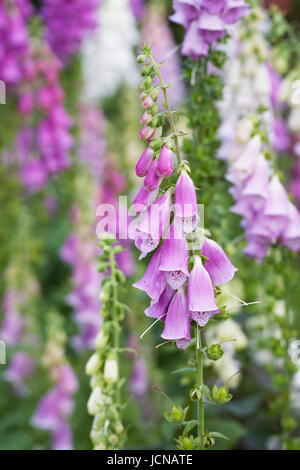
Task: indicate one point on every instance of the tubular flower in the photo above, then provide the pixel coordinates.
(206, 21)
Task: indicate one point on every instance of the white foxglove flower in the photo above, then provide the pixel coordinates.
(108, 57)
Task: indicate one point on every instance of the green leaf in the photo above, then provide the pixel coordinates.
(189, 426)
(219, 434)
(184, 370)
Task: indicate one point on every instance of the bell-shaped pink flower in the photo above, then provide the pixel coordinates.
(255, 191)
(154, 225)
(201, 297)
(165, 162)
(144, 162)
(291, 232)
(186, 203)
(153, 282)
(144, 199)
(276, 208)
(246, 163)
(194, 45)
(177, 323)
(218, 265)
(174, 257)
(211, 27)
(153, 179)
(159, 307)
(183, 343)
(256, 249)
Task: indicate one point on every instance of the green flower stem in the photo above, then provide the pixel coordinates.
(167, 106)
(116, 341)
(200, 383)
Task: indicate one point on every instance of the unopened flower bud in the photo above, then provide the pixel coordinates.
(153, 179)
(146, 83)
(244, 130)
(147, 117)
(102, 339)
(144, 162)
(93, 365)
(113, 439)
(111, 370)
(147, 102)
(145, 71)
(154, 93)
(95, 401)
(141, 59)
(215, 352)
(146, 132)
(165, 162)
(119, 428)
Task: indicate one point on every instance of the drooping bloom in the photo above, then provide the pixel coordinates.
(177, 323)
(153, 281)
(144, 162)
(218, 265)
(201, 296)
(186, 203)
(174, 257)
(205, 22)
(153, 225)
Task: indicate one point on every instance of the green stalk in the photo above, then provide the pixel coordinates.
(115, 314)
(200, 382)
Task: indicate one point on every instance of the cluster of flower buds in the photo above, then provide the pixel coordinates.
(14, 39)
(168, 217)
(45, 146)
(57, 404)
(104, 403)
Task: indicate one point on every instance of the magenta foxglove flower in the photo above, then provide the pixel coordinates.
(139, 381)
(62, 437)
(158, 308)
(144, 162)
(183, 343)
(154, 225)
(177, 323)
(144, 199)
(218, 265)
(201, 297)
(276, 209)
(205, 21)
(255, 190)
(291, 231)
(174, 257)
(153, 281)
(153, 179)
(165, 162)
(186, 203)
(282, 138)
(65, 32)
(21, 367)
